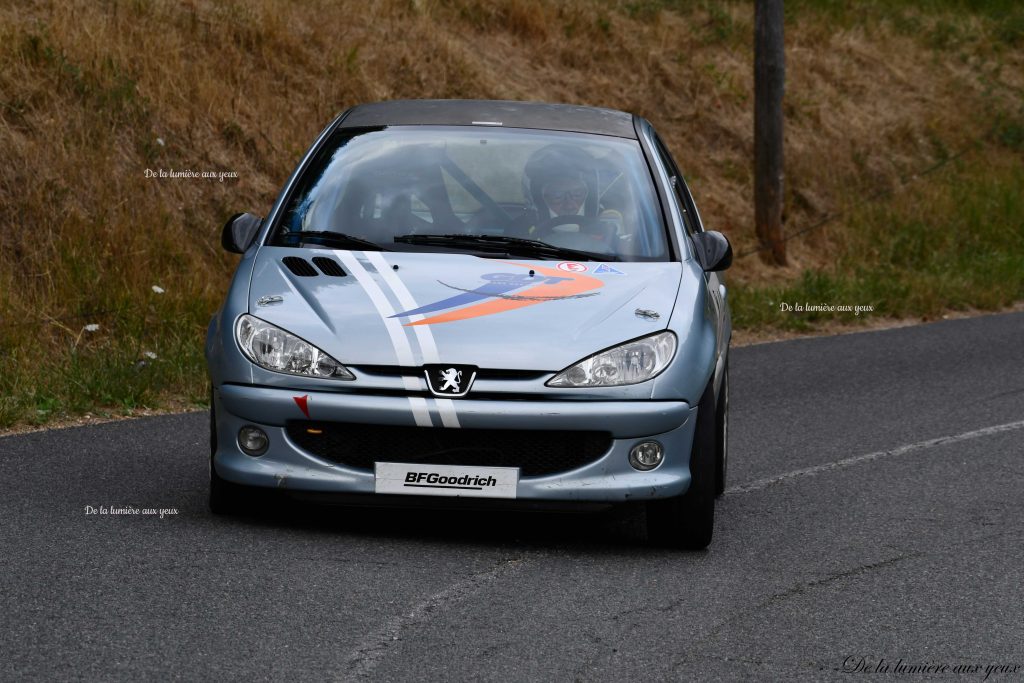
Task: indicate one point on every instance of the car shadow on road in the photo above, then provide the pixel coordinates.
(616, 530)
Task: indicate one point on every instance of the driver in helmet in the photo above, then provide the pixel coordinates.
(565, 196)
(561, 181)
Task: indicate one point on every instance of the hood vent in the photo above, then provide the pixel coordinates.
(329, 266)
(299, 266)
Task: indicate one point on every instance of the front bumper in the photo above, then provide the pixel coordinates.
(610, 478)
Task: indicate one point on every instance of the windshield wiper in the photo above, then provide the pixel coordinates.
(518, 245)
(337, 238)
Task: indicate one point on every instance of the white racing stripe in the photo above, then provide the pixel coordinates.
(445, 406)
(398, 339)
(420, 409)
(857, 459)
(423, 333)
(449, 418)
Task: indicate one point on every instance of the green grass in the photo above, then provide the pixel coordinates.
(846, 11)
(146, 353)
(952, 241)
(941, 25)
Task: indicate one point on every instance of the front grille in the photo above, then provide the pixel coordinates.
(535, 452)
(481, 373)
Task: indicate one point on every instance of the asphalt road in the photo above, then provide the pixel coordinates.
(852, 528)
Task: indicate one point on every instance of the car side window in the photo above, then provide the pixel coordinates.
(678, 186)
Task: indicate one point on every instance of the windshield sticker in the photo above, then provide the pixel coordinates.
(605, 268)
(495, 294)
(572, 267)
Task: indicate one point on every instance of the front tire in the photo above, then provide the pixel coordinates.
(688, 521)
(722, 432)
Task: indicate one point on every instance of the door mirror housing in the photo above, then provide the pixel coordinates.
(713, 250)
(239, 232)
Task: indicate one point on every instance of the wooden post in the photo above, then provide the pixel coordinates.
(769, 84)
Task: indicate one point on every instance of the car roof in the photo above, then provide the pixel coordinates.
(507, 113)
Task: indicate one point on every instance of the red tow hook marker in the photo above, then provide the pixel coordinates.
(303, 403)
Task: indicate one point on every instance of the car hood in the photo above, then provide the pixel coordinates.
(409, 309)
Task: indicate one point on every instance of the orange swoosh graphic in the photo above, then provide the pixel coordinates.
(577, 285)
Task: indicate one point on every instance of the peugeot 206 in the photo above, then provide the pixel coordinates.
(473, 303)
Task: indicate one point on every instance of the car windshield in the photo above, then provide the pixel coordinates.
(433, 188)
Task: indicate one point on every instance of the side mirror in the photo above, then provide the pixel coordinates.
(239, 232)
(713, 250)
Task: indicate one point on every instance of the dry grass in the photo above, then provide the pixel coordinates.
(92, 94)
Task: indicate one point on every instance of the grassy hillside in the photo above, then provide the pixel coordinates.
(97, 97)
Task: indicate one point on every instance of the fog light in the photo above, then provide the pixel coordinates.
(646, 455)
(253, 440)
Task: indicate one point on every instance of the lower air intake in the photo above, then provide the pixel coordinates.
(535, 452)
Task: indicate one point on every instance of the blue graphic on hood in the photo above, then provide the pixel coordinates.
(496, 285)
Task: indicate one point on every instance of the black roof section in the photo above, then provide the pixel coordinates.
(510, 114)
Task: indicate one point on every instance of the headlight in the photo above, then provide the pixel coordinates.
(633, 362)
(272, 348)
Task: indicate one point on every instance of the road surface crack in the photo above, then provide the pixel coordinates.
(797, 590)
(366, 655)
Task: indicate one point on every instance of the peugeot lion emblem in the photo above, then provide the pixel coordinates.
(449, 380)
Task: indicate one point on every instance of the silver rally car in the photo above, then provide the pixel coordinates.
(474, 303)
